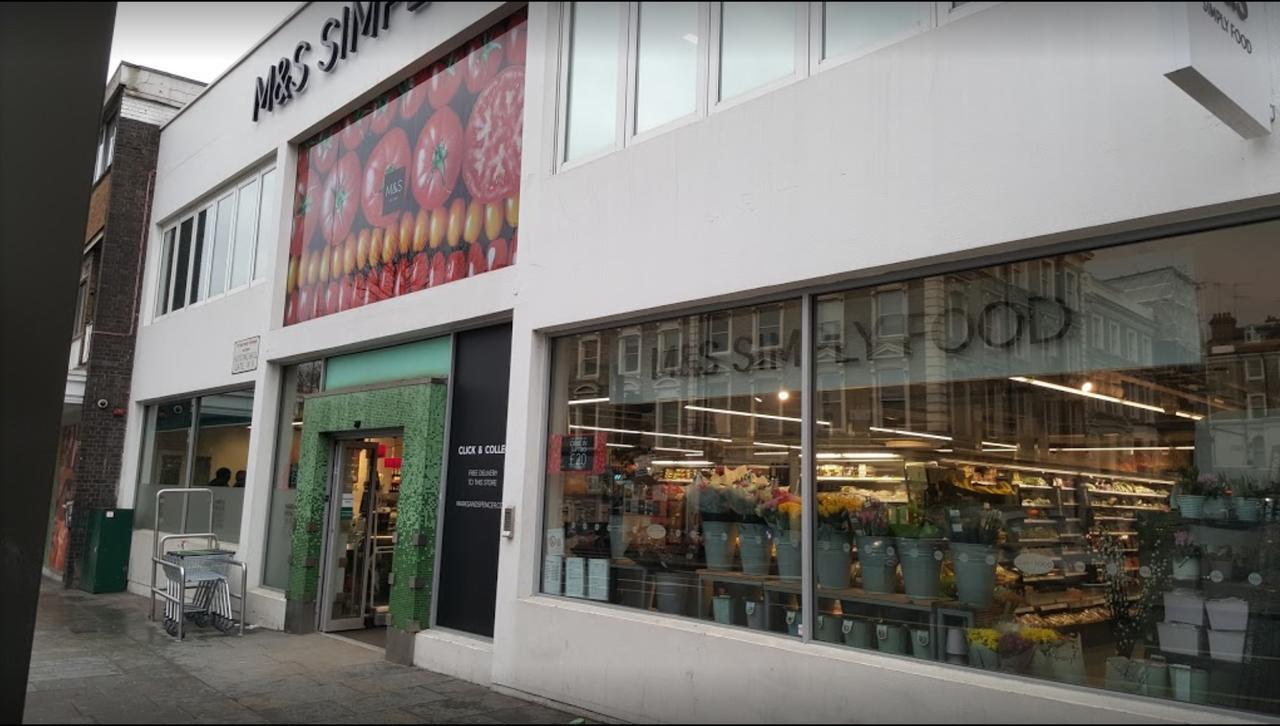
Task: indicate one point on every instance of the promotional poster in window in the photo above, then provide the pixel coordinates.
(416, 189)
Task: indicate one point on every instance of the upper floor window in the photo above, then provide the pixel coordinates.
(718, 333)
(106, 149)
(86, 292)
(589, 358)
(220, 246)
(769, 327)
(1253, 370)
(631, 69)
(629, 353)
(670, 345)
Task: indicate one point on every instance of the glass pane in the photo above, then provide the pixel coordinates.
(222, 455)
(221, 244)
(164, 464)
(246, 229)
(183, 265)
(166, 268)
(198, 259)
(679, 494)
(267, 220)
(299, 380)
(757, 45)
(594, 54)
(996, 488)
(849, 28)
(667, 72)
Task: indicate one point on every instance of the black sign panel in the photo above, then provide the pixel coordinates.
(472, 520)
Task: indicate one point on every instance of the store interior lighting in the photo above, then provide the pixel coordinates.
(1123, 448)
(1087, 394)
(902, 432)
(658, 434)
(581, 401)
(769, 416)
(682, 462)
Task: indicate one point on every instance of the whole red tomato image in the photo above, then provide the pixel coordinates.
(437, 159)
(516, 42)
(339, 198)
(413, 93)
(484, 58)
(444, 81)
(322, 155)
(388, 163)
(353, 133)
(383, 113)
(492, 167)
(306, 214)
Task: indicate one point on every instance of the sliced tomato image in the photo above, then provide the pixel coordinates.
(323, 154)
(455, 268)
(359, 289)
(383, 113)
(437, 159)
(291, 308)
(339, 198)
(515, 236)
(388, 161)
(444, 82)
(491, 169)
(477, 261)
(484, 58)
(413, 93)
(306, 214)
(516, 41)
(419, 272)
(436, 275)
(353, 133)
(498, 256)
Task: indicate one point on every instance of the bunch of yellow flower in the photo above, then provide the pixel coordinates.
(791, 510)
(836, 509)
(988, 638)
(1041, 636)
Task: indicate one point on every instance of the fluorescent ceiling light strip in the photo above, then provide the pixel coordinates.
(775, 446)
(649, 433)
(678, 451)
(861, 456)
(581, 401)
(621, 446)
(1086, 394)
(1192, 416)
(770, 453)
(999, 445)
(911, 433)
(771, 417)
(1123, 448)
(682, 462)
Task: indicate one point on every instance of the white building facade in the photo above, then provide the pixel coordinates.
(813, 229)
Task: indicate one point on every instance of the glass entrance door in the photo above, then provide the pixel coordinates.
(348, 544)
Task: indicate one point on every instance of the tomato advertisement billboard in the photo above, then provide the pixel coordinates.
(418, 188)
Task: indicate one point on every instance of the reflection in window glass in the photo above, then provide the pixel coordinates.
(660, 503)
(757, 45)
(183, 266)
(266, 220)
(220, 463)
(198, 258)
(163, 465)
(667, 63)
(594, 50)
(1095, 515)
(246, 228)
(221, 244)
(166, 271)
(851, 27)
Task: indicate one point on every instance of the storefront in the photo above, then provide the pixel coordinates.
(859, 362)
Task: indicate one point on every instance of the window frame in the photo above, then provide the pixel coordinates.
(662, 332)
(817, 36)
(1262, 369)
(945, 12)
(1255, 411)
(631, 134)
(712, 318)
(105, 152)
(629, 335)
(582, 357)
(756, 327)
(799, 68)
(562, 162)
(209, 204)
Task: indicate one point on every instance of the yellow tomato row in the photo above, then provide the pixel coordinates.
(459, 223)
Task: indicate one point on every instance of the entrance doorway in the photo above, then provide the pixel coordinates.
(361, 513)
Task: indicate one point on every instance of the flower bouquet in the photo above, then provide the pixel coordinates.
(973, 554)
(1015, 652)
(919, 545)
(719, 530)
(1185, 556)
(984, 644)
(876, 555)
(834, 553)
(745, 494)
(782, 515)
(1217, 497)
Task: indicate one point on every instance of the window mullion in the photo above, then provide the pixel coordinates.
(808, 492)
(630, 66)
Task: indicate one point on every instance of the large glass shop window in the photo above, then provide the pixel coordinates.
(419, 188)
(1065, 468)
(673, 478)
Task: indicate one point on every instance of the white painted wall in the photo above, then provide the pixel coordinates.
(1016, 126)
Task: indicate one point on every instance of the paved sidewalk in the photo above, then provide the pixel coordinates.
(97, 659)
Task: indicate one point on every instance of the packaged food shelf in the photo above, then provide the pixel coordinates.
(1034, 486)
(1127, 506)
(1109, 492)
(1039, 521)
(1035, 541)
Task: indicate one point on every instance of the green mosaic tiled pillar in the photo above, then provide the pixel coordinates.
(419, 411)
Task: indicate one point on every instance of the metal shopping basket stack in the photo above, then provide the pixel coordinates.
(197, 581)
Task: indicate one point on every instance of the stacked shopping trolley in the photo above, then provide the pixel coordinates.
(197, 581)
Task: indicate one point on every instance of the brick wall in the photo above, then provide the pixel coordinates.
(127, 204)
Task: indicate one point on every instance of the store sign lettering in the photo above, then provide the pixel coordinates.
(291, 75)
(1220, 53)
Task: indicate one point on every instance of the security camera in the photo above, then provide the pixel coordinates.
(102, 403)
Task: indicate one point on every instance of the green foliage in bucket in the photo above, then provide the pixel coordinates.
(918, 525)
(979, 526)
